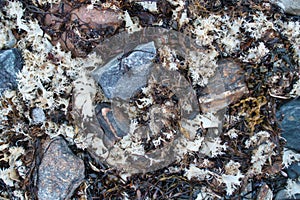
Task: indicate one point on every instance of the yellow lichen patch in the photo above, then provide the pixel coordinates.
(251, 109)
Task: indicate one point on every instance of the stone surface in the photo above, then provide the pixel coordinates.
(82, 23)
(125, 74)
(146, 147)
(224, 88)
(265, 193)
(10, 64)
(290, 124)
(60, 171)
(282, 195)
(289, 6)
(294, 170)
(38, 115)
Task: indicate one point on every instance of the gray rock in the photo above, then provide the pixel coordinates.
(11, 63)
(289, 6)
(60, 172)
(294, 170)
(125, 74)
(38, 115)
(282, 195)
(290, 124)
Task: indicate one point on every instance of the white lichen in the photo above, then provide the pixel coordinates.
(292, 188)
(289, 157)
(212, 147)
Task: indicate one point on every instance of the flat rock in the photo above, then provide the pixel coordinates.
(11, 63)
(60, 172)
(289, 6)
(225, 87)
(125, 74)
(290, 124)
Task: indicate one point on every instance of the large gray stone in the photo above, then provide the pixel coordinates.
(290, 124)
(11, 63)
(60, 172)
(126, 73)
(289, 6)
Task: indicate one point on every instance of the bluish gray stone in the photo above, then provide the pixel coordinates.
(294, 170)
(290, 124)
(282, 195)
(11, 63)
(126, 73)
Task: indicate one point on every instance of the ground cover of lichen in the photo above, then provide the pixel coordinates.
(248, 154)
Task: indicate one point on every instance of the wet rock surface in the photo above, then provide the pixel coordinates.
(60, 171)
(290, 124)
(10, 64)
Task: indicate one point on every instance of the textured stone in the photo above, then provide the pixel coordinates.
(125, 74)
(10, 64)
(282, 195)
(225, 87)
(290, 124)
(60, 172)
(289, 6)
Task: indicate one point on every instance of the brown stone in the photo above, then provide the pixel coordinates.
(60, 171)
(226, 87)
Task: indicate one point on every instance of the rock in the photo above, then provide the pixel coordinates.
(110, 123)
(282, 195)
(265, 193)
(289, 6)
(247, 193)
(294, 170)
(290, 124)
(60, 172)
(11, 63)
(125, 74)
(227, 86)
(84, 26)
(38, 116)
(152, 120)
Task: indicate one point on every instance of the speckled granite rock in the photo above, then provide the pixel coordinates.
(60, 172)
(10, 64)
